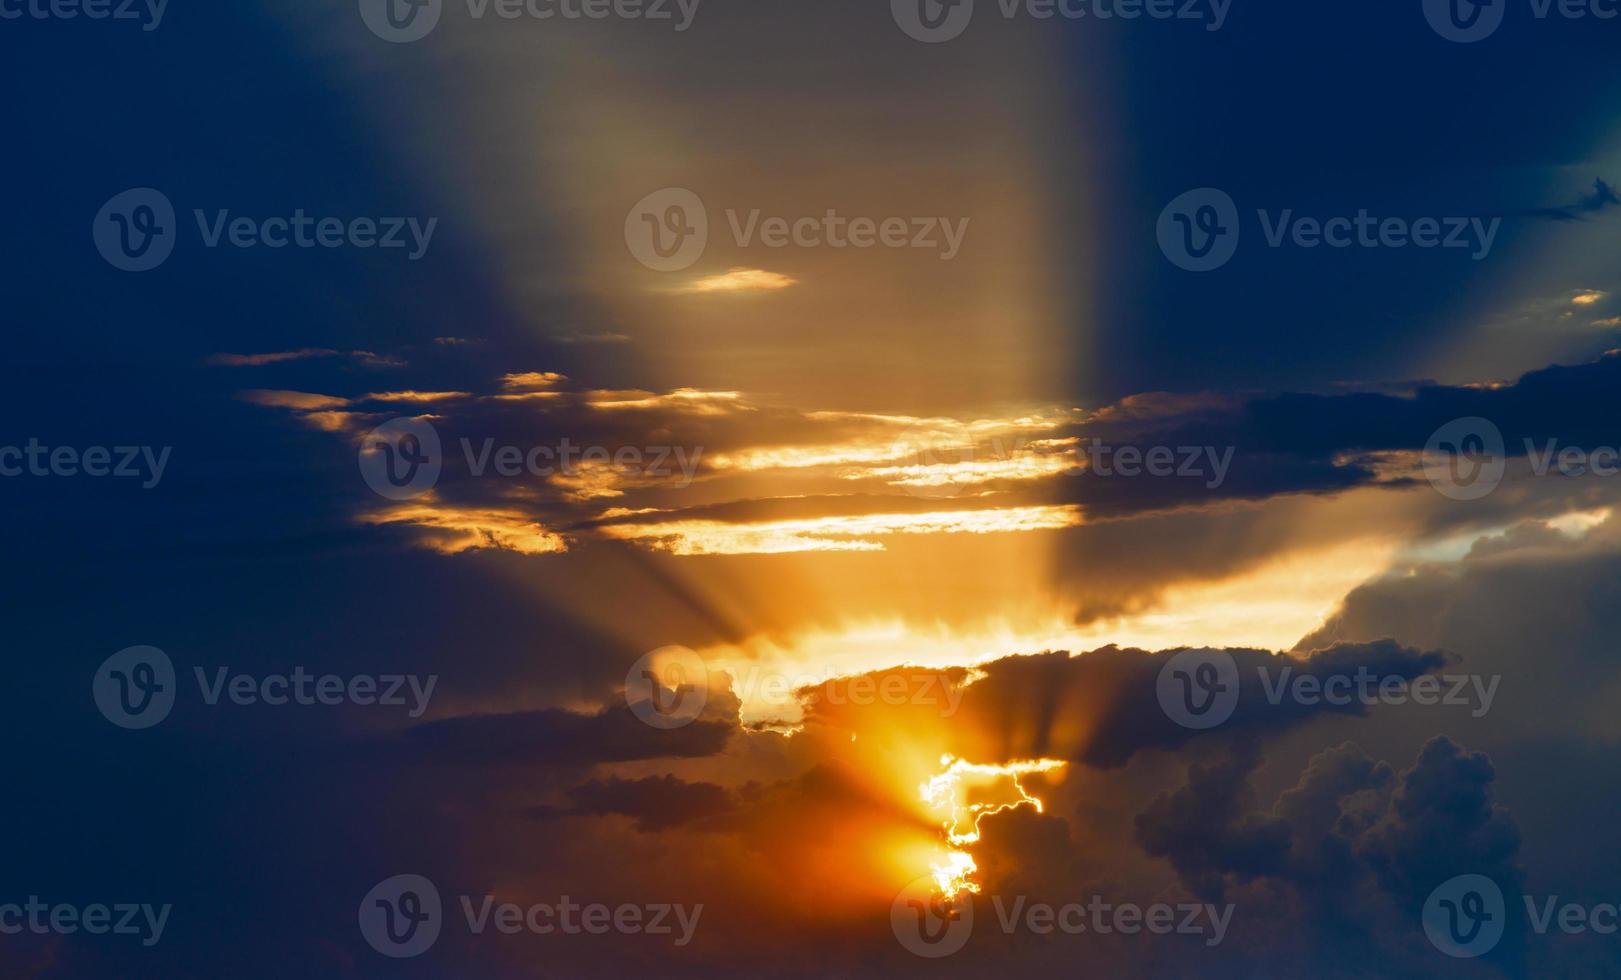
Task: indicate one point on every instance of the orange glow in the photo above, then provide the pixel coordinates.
(842, 533)
(947, 794)
(739, 280)
(453, 530)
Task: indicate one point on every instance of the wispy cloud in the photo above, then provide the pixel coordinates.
(693, 400)
(739, 280)
(1603, 196)
(415, 396)
(277, 357)
(302, 401)
(851, 532)
(525, 380)
(365, 357)
(453, 530)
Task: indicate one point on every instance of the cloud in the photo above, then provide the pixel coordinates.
(1110, 704)
(415, 397)
(301, 401)
(1602, 196)
(600, 337)
(739, 280)
(681, 399)
(454, 530)
(259, 360)
(841, 533)
(727, 474)
(364, 357)
(1357, 847)
(532, 380)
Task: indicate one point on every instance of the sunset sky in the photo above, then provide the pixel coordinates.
(871, 513)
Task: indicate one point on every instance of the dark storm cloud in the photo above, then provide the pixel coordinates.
(1211, 450)
(1435, 820)
(1317, 443)
(1103, 707)
(1357, 846)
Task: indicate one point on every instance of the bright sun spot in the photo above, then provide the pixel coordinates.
(947, 794)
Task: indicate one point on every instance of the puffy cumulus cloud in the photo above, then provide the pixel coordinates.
(1348, 816)
(1346, 857)
(1500, 596)
(1323, 877)
(1102, 708)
